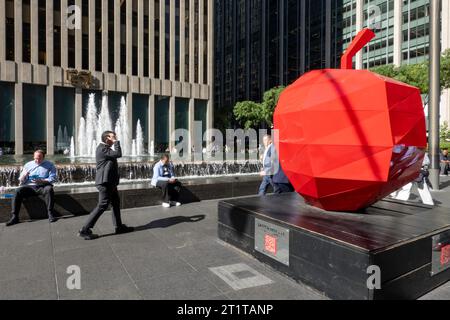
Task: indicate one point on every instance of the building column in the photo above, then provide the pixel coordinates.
(78, 111)
(192, 42)
(79, 41)
(281, 42)
(105, 32)
(2, 30)
(162, 40)
(129, 32)
(398, 33)
(171, 121)
(50, 120)
(91, 18)
(201, 41)
(210, 44)
(151, 120)
(117, 38)
(18, 28)
(140, 30)
(151, 40)
(359, 27)
(172, 40)
(50, 33)
(182, 41)
(18, 117)
(18, 89)
(129, 101)
(64, 36)
(328, 23)
(34, 33)
(129, 59)
(191, 119)
(302, 36)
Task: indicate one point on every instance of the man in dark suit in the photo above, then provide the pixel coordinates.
(106, 179)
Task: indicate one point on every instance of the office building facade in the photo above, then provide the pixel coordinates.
(158, 54)
(261, 44)
(402, 33)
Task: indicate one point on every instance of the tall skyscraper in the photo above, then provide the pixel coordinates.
(402, 33)
(261, 44)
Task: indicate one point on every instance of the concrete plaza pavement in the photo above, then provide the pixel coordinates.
(174, 254)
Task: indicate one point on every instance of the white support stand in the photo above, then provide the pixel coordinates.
(405, 193)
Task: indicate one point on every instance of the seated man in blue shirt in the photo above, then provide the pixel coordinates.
(164, 179)
(36, 179)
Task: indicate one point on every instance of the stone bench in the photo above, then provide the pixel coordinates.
(79, 201)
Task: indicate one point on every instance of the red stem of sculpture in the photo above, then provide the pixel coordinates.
(363, 38)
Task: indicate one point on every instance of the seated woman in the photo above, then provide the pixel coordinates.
(164, 179)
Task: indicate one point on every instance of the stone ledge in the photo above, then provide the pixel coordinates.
(82, 200)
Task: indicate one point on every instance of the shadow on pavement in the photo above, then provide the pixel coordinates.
(164, 223)
(170, 222)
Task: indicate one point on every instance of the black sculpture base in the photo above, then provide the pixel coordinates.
(339, 253)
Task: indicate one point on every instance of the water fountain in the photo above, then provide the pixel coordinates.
(139, 139)
(72, 148)
(133, 149)
(104, 119)
(78, 166)
(152, 149)
(122, 129)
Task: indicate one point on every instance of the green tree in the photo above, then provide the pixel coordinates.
(252, 114)
(387, 70)
(270, 101)
(445, 69)
(418, 74)
(249, 114)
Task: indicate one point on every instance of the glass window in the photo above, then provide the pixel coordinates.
(161, 124)
(140, 113)
(111, 37)
(157, 39)
(200, 113)
(7, 136)
(26, 31)
(34, 118)
(9, 5)
(182, 113)
(71, 41)
(64, 118)
(57, 33)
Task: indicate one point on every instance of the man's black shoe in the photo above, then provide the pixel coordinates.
(124, 229)
(13, 221)
(52, 219)
(87, 235)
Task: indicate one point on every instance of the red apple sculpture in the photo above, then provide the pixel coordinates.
(349, 138)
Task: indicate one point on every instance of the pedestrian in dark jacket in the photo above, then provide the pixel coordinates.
(107, 179)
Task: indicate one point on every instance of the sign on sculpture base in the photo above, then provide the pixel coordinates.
(393, 250)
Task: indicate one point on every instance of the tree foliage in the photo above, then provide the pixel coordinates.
(248, 113)
(252, 114)
(270, 101)
(418, 74)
